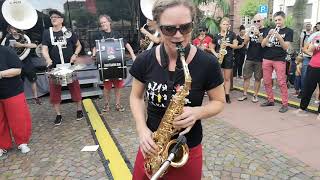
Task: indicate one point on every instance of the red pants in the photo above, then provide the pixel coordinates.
(280, 67)
(55, 92)
(191, 170)
(117, 84)
(14, 116)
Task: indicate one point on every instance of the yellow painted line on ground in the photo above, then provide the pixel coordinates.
(291, 103)
(117, 165)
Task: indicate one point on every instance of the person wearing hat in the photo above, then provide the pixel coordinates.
(70, 50)
(203, 41)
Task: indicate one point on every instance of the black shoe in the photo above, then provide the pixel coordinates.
(228, 99)
(79, 115)
(283, 109)
(267, 103)
(58, 120)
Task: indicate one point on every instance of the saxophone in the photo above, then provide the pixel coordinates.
(223, 50)
(162, 136)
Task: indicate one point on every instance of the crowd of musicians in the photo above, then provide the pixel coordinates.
(257, 51)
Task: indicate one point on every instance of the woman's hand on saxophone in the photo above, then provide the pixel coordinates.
(187, 119)
(147, 145)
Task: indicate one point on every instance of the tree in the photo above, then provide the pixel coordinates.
(212, 22)
(298, 16)
(250, 8)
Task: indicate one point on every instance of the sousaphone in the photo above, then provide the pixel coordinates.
(21, 15)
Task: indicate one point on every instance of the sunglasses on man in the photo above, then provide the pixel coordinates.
(171, 30)
(257, 21)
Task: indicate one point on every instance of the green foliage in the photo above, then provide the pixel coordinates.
(251, 7)
(212, 25)
(289, 21)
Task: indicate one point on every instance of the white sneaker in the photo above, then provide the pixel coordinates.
(300, 113)
(254, 99)
(316, 101)
(2, 152)
(24, 148)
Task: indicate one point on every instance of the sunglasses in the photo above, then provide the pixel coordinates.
(171, 30)
(257, 21)
(202, 30)
(55, 17)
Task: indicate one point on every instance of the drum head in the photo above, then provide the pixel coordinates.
(110, 51)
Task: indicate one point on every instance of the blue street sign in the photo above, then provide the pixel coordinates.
(263, 9)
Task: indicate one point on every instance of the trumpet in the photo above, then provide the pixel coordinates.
(272, 38)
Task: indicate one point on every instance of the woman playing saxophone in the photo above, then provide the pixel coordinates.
(223, 44)
(161, 74)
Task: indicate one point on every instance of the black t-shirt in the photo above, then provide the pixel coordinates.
(13, 86)
(105, 35)
(67, 50)
(276, 52)
(241, 50)
(229, 39)
(255, 51)
(205, 72)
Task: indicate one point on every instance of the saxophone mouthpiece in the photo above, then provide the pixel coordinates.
(180, 47)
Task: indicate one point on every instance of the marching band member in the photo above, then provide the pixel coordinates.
(51, 54)
(106, 32)
(203, 41)
(150, 35)
(14, 111)
(225, 40)
(253, 63)
(275, 45)
(28, 70)
(158, 72)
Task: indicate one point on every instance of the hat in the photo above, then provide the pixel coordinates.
(54, 11)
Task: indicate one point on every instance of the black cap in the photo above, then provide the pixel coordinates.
(54, 11)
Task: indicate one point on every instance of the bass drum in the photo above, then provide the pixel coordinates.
(110, 58)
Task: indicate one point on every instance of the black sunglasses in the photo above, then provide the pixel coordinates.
(256, 21)
(202, 30)
(171, 30)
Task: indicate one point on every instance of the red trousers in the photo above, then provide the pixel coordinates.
(55, 92)
(280, 67)
(191, 170)
(14, 116)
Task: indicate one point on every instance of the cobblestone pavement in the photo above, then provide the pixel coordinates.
(229, 153)
(55, 151)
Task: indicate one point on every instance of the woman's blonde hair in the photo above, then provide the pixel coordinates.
(160, 5)
(225, 19)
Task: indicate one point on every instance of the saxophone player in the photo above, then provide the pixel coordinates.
(225, 41)
(158, 72)
(150, 35)
(275, 59)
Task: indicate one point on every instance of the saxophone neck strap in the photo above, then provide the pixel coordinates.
(161, 53)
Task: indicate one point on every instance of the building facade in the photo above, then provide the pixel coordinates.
(312, 12)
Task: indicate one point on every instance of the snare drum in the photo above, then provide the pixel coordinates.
(62, 76)
(110, 57)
